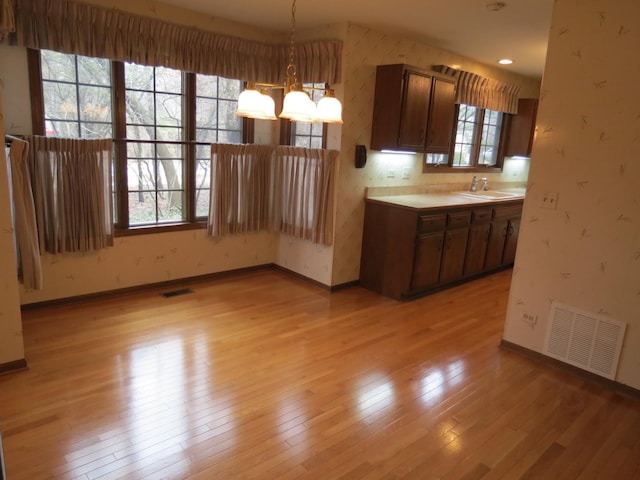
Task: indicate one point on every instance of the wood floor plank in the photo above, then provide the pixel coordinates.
(264, 376)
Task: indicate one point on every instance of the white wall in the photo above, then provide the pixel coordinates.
(586, 253)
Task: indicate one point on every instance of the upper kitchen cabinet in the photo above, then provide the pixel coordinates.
(413, 110)
(521, 128)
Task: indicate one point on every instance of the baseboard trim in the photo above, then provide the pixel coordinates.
(144, 288)
(14, 366)
(552, 362)
(180, 281)
(342, 286)
(302, 277)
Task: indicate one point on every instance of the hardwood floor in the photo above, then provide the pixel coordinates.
(263, 376)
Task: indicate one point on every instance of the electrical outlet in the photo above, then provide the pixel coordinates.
(391, 173)
(406, 173)
(530, 319)
(549, 200)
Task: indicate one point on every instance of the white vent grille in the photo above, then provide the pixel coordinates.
(584, 340)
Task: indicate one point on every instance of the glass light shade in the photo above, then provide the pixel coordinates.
(297, 106)
(253, 104)
(329, 110)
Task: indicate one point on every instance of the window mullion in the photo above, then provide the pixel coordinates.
(120, 135)
(189, 136)
(477, 136)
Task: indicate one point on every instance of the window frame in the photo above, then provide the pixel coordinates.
(118, 89)
(448, 167)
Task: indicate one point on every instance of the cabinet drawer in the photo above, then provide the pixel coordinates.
(431, 222)
(458, 219)
(512, 211)
(481, 216)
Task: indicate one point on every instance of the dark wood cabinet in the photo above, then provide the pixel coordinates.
(503, 236)
(477, 241)
(521, 128)
(407, 252)
(413, 109)
(441, 116)
(426, 269)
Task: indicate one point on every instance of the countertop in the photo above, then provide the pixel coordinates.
(446, 199)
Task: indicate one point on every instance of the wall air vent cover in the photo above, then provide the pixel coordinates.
(585, 340)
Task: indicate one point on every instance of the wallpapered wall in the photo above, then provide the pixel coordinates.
(11, 346)
(364, 49)
(585, 254)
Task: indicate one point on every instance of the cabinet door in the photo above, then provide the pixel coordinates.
(511, 242)
(476, 249)
(442, 115)
(415, 111)
(455, 244)
(426, 267)
(495, 248)
(521, 128)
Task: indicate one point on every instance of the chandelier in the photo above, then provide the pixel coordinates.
(254, 102)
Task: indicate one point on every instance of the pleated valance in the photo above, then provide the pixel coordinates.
(74, 27)
(483, 92)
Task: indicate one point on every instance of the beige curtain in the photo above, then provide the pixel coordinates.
(303, 193)
(25, 216)
(72, 193)
(7, 22)
(264, 187)
(73, 27)
(240, 177)
(483, 92)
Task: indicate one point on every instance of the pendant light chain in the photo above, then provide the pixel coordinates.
(292, 74)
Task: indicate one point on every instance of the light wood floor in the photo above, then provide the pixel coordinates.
(264, 376)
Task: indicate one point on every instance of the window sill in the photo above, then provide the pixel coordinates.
(149, 229)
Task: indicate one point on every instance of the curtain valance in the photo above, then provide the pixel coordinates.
(483, 92)
(73, 27)
(7, 23)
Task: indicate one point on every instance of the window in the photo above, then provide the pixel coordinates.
(477, 137)
(164, 121)
(302, 134)
(477, 140)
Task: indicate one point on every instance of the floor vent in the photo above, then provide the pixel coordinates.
(175, 293)
(584, 340)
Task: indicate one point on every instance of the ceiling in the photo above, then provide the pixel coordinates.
(468, 27)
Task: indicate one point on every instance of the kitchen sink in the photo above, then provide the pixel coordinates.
(489, 194)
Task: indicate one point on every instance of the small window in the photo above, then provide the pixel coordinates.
(477, 137)
(476, 142)
(303, 134)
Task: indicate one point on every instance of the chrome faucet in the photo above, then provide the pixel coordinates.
(485, 183)
(474, 184)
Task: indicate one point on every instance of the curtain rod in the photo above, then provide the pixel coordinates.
(11, 138)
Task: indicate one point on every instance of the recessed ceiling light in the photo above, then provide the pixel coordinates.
(505, 61)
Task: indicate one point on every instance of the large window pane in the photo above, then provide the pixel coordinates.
(142, 208)
(69, 97)
(170, 206)
(60, 100)
(94, 71)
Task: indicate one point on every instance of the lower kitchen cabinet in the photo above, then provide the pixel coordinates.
(503, 236)
(426, 267)
(407, 252)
